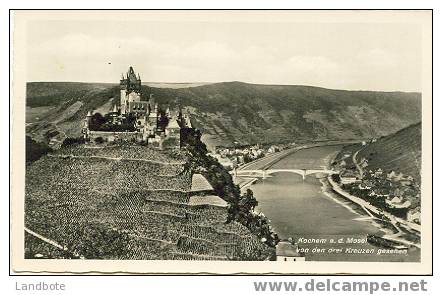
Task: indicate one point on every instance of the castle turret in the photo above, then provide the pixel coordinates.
(87, 122)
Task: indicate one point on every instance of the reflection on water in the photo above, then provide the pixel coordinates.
(299, 208)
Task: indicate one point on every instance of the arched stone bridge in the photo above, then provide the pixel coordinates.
(265, 173)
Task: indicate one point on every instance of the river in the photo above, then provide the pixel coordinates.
(307, 209)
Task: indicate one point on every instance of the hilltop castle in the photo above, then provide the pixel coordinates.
(137, 120)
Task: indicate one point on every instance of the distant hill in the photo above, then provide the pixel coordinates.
(175, 85)
(400, 152)
(235, 112)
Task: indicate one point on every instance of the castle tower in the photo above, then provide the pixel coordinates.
(86, 124)
(88, 118)
(130, 90)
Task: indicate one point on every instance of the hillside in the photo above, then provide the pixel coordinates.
(399, 152)
(127, 202)
(235, 111)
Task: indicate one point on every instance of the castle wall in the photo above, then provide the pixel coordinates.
(138, 107)
(116, 136)
(133, 97)
(123, 101)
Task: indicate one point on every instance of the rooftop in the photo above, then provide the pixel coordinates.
(287, 249)
(173, 124)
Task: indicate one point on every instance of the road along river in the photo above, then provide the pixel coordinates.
(329, 226)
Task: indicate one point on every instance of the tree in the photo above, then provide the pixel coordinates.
(35, 150)
(72, 140)
(96, 121)
(336, 178)
(247, 201)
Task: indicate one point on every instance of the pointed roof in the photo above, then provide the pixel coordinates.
(173, 124)
(131, 75)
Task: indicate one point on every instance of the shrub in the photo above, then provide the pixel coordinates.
(171, 142)
(72, 140)
(35, 150)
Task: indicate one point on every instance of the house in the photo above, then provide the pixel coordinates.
(398, 202)
(364, 163)
(407, 181)
(286, 251)
(414, 215)
(366, 184)
(226, 162)
(271, 150)
(378, 172)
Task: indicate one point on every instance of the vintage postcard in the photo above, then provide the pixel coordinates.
(221, 142)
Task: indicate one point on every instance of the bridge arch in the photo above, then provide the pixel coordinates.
(264, 173)
(296, 171)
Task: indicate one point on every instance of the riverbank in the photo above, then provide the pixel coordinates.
(374, 213)
(268, 161)
(299, 208)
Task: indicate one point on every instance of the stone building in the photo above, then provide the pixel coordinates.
(286, 251)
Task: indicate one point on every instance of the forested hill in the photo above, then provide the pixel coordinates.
(235, 111)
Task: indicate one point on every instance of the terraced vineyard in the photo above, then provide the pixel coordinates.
(126, 203)
(400, 152)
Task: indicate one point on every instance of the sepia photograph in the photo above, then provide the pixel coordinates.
(222, 142)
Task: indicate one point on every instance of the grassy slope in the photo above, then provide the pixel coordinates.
(247, 113)
(401, 152)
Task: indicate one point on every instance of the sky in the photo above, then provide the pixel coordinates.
(355, 56)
